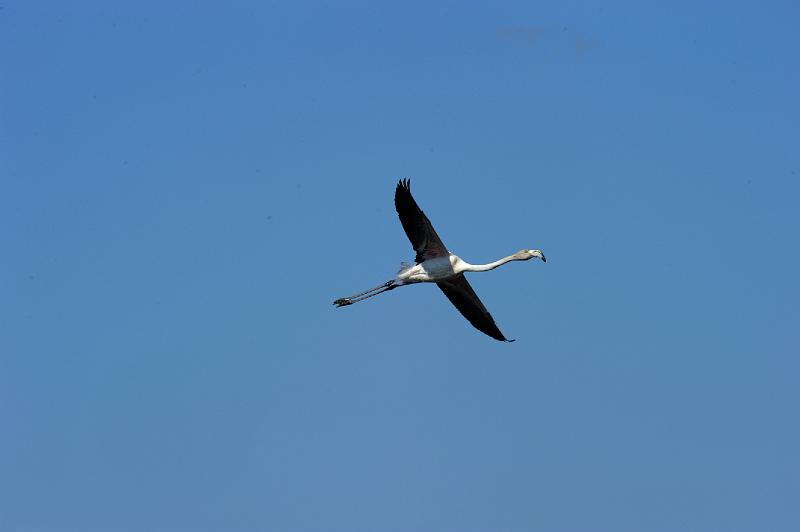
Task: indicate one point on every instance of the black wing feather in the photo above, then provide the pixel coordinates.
(463, 297)
(418, 228)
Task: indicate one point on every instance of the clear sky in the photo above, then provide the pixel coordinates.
(185, 189)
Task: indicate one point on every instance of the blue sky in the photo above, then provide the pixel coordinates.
(184, 189)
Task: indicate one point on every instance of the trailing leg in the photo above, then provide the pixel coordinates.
(385, 287)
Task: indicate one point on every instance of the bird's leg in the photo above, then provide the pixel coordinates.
(379, 287)
(385, 287)
(349, 301)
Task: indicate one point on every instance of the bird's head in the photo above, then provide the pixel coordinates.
(528, 254)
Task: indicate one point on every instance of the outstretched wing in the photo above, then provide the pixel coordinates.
(463, 297)
(418, 228)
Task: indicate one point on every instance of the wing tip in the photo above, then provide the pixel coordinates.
(404, 183)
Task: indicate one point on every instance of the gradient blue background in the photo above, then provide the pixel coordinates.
(185, 189)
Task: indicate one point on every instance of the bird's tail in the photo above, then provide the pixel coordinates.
(405, 266)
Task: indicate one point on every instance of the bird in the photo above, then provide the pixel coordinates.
(434, 263)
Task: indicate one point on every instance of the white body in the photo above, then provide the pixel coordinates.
(432, 270)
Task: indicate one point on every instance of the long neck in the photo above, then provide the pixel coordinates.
(486, 267)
